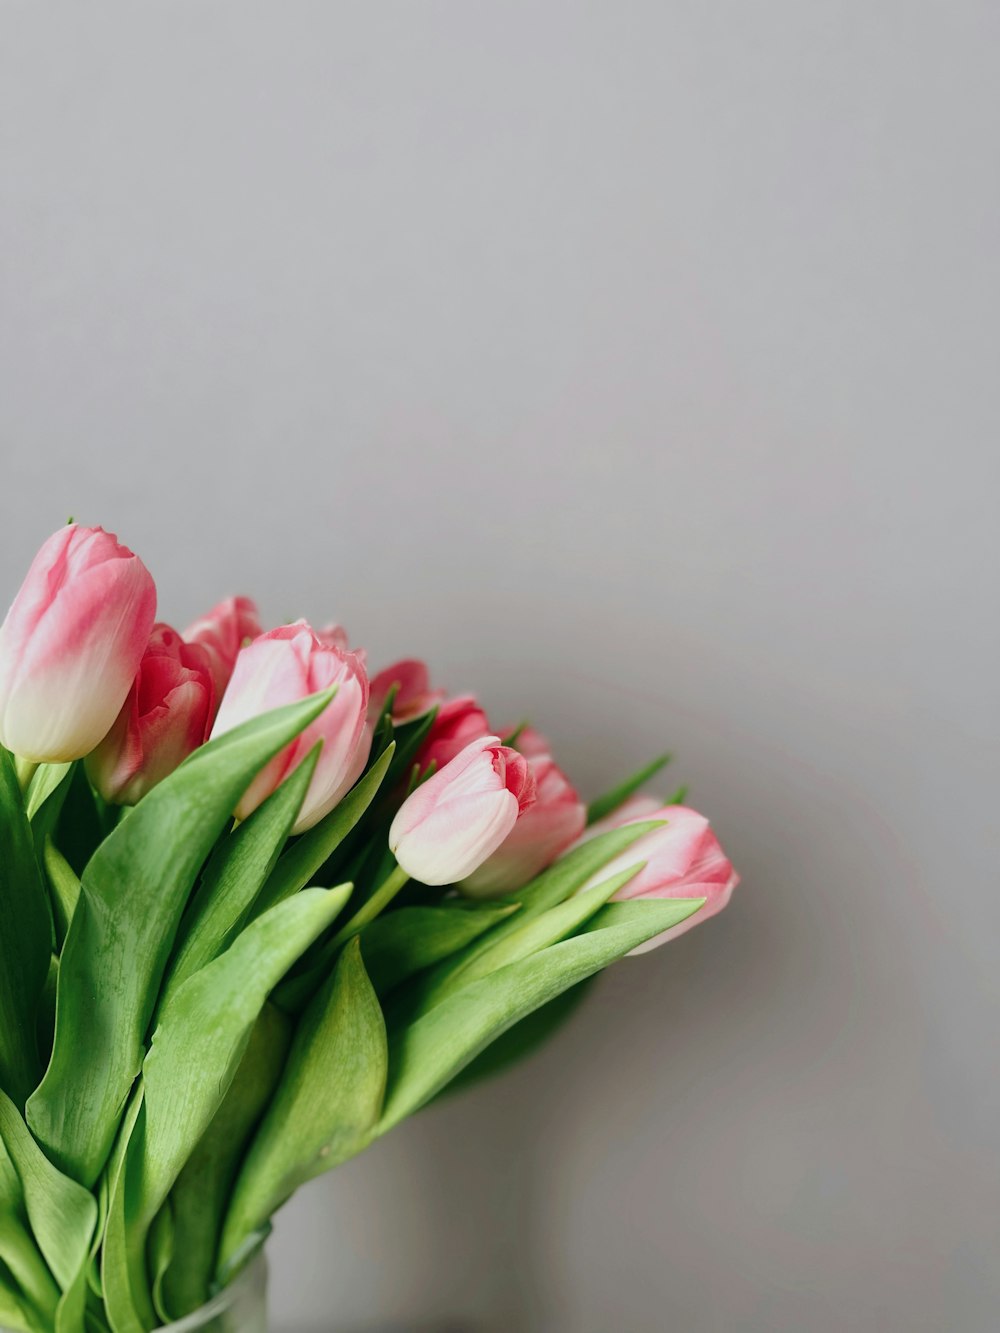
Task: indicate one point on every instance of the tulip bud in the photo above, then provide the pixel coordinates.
(222, 632)
(167, 714)
(413, 691)
(556, 819)
(281, 667)
(684, 859)
(71, 644)
(448, 827)
(459, 721)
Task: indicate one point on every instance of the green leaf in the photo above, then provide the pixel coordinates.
(80, 826)
(438, 1045)
(32, 1284)
(64, 887)
(410, 736)
(62, 1213)
(402, 943)
(119, 1303)
(560, 882)
(14, 1313)
(532, 935)
(309, 852)
(326, 1106)
(608, 803)
(235, 875)
(25, 940)
(197, 1048)
(203, 1190)
(46, 792)
(521, 1040)
(161, 1253)
(123, 1303)
(133, 893)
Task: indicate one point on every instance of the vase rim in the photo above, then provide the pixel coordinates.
(254, 1271)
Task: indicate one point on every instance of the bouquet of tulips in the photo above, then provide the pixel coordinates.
(256, 908)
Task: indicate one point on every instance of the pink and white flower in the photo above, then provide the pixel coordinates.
(222, 632)
(446, 828)
(71, 644)
(684, 859)
(167, 714)
(280, 667)
(554, 821)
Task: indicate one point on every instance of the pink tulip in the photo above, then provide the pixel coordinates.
(459, 721)
(167, 714)
(556, 819)
(71, 644)
(280, 667)
(413, 696)
(684, 859)
(222, 632)
(462, 813)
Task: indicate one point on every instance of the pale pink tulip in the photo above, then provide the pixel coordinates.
(413, 695)
(280, 667)
(446, 828)
(167, 714)
(222, 632)
(555, 820)
(459, 721)
(684, 859)
(71, 644)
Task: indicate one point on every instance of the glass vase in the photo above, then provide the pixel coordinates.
(239, 1308)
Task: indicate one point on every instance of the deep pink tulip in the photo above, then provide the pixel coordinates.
(684, 859)
(459, 721)
(556, 819)
(446, 828)
(285, 665)
(222, 632)
(413, 695)
(167, 714)
(71, 644)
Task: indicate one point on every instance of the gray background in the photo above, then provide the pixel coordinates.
(636, 363)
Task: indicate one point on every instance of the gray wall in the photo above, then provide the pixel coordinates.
(637, 364)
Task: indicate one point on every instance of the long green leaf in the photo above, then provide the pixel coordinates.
(25, 940)
(64, 887)
(522, 1040)
(125, 1301)
(234, 876)
(326, 1106)
(62, 1213)
(558, 883)
(399, 944)
(308, 853)
(14, 1312)
(538, 933)
(432, 1050)
(608, 803)
(203, 1190)
(33, 1284)
(133, 893)
(197, 1048)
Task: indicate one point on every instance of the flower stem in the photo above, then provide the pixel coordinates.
(368, 911)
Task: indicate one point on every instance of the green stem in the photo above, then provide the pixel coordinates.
(368, 911)
(25, 769)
